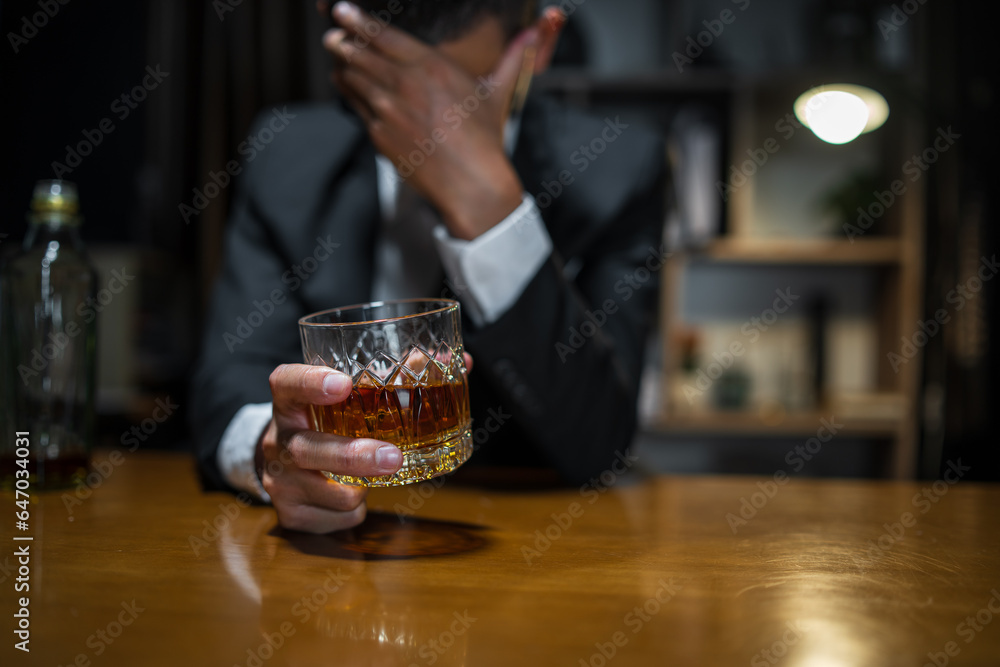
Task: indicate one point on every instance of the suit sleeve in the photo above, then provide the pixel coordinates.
(567, 356)
(300, 204)
(252, 311)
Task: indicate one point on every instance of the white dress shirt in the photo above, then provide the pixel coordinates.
(488, 274)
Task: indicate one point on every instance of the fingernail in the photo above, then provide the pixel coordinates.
(345, 9)
(388, 458)
(336, 383)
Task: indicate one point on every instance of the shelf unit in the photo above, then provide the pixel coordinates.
(893, 249)
(888, 412)
(836, 252)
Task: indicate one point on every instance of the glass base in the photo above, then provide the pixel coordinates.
(419, 464)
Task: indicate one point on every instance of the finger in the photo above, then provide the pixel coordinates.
(369, 61)
(319, 490)
(357, 457)
(358, 104)
(294, 386)
(468, 361)
(332, 39)
(311, 519)
(294, 486)
(395, 44)
(376, 99)
(516, 65)
(549, 25)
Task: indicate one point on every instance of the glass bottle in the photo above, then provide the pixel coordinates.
(47, 344)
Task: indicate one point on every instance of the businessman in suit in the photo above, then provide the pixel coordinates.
(543, 222)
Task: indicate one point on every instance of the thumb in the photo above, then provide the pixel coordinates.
(517, 60)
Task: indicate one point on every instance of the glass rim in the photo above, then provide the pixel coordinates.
(447, 305)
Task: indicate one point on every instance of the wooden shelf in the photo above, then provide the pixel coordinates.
(873, 251)
(804, 424)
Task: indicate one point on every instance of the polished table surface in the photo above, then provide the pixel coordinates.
(148, 570)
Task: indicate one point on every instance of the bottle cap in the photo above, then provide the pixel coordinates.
(55, 202)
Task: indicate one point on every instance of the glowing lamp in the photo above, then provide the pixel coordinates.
(839, 113)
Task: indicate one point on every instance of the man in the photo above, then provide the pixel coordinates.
(548, 246)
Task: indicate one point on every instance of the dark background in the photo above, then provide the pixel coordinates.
(225, 66)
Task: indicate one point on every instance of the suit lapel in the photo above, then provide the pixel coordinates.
(350, 217)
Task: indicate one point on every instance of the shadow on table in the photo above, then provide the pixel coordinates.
(385, 536)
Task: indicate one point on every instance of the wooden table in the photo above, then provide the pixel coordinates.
(148, 570)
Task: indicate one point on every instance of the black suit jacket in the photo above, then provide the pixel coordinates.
(560, 369)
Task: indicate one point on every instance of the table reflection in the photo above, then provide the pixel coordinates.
(348, 612)
(658, 571)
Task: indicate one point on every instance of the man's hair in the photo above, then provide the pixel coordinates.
(435, 21)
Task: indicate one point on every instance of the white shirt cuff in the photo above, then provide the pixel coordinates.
(238, 446)
(490, 272)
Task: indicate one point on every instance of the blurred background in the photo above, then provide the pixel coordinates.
(825, 310)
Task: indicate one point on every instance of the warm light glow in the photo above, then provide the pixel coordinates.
(839, 113)
(836, 117)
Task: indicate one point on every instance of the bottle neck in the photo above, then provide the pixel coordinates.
(43, 232)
